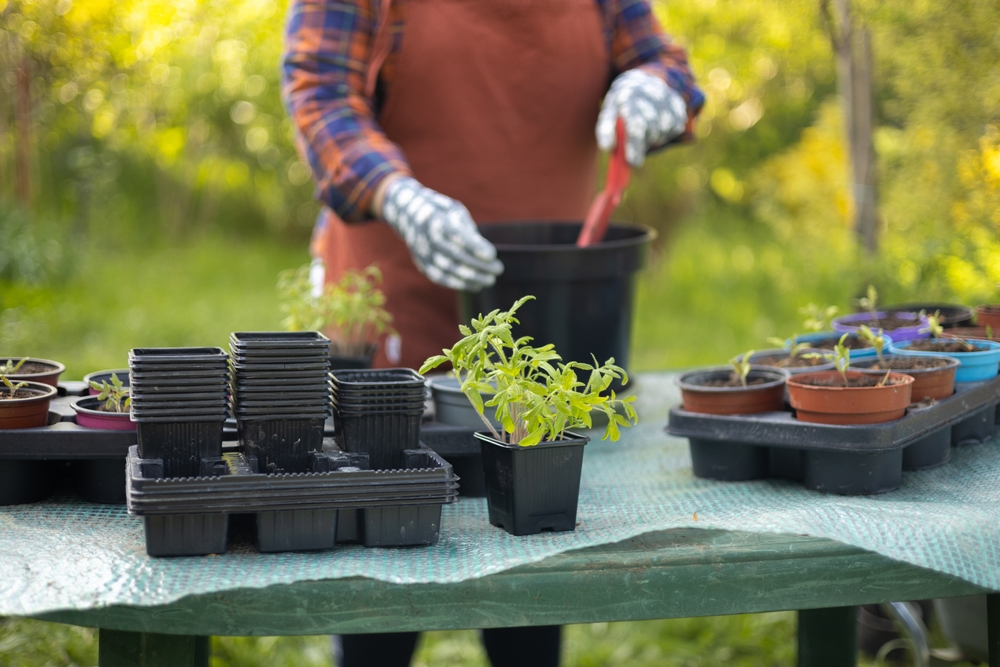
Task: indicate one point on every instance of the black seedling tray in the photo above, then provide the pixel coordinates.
(371, 382)
(845, 460)
(295, 512)
(279, 339)
(35, 462)
(189, 376)
(177, 355)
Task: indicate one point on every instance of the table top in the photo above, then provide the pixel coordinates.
(652, 542)
(666, 574)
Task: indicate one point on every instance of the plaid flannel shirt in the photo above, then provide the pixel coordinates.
(328, 45)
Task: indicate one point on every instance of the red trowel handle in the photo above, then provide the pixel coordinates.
(608, 199)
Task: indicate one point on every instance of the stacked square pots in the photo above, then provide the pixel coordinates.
(378, 412)
(280, 396)
(179, 404)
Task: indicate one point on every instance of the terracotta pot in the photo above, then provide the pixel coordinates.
(848, 405)
(935, 383)
(768, 396)
(988, 315)
(89, 416)
(30, 412)
(49, 377)
(975, 333)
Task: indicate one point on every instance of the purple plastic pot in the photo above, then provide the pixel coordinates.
(88, 416)
(918, 330)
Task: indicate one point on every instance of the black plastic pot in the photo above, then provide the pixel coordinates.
(281, 445)
(584, 296)
(531, 489)
(181, 445)
(382, 435)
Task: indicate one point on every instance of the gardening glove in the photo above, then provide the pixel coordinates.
(653, 112)
(441, 236)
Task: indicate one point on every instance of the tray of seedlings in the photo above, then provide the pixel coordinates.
(55, 435)
(852, 430)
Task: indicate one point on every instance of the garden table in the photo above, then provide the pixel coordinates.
(719, 560)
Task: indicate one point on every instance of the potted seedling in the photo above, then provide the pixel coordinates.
(821, 336)
(108, 406)
(23, 404)
(95, 380)
(799, 357)
(933, 376)
(843, 396)
(532, 464)
(32, 370)
(350, 311)
(738, 389)
(978, 359)
(900, 325)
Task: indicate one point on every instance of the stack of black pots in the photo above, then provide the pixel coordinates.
(179, 403)
(280, 396)
(378, 412)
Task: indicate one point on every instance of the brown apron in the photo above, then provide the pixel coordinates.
(494, 104)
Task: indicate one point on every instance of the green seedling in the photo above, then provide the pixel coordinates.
(818, 318)
(877, 340)
(741, 366)
(12, 387)
(842, 358)
(115, 396)
(536, 398)
(351, 311)
(9, 368)
(795, 351)
(933, 324)
(869, 302)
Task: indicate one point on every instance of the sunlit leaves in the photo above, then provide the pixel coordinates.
(533, 395)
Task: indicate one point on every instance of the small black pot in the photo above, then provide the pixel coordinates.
(531, 489)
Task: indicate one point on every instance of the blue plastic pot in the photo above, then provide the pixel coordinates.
(862, 353)
(973, 366)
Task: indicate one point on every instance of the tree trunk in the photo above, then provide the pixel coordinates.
(852, 45)
(22, 128)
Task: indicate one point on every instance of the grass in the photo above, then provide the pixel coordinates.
(720, 290)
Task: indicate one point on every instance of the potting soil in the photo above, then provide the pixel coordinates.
(64, 554)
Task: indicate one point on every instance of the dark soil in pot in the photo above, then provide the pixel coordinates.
(905, 364)
(949, 314)
(785, 361)
(852, 381)
(852, 342)
(952, 346)
(976, 333)
(37, 370)
(889, 322)
(719, 391)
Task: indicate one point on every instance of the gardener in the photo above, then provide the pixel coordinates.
(422, 118)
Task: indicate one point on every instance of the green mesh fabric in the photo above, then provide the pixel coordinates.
(64, 554)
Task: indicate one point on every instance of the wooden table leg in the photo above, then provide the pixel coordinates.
(139, 649)
(993, 627)
(828, 637)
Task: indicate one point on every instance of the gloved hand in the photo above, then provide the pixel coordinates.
(654, 113)
(441, 236)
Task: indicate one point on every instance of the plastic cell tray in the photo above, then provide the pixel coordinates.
(296, 511)
(35, 462)
(845, 460)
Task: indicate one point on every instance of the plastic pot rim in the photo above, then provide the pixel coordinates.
(647, 235)
(43, 392)
(57, 368)
(573, 439)
(991, 348)
(952, 363)
(778, 377)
